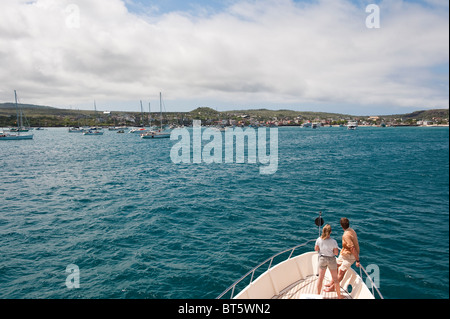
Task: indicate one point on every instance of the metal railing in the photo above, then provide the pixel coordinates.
(361, 269)
(252, 271)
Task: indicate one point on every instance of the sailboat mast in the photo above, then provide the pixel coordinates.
(95, 110)
(160, 108)
(149, 116)
(17, 111)
(142, 115)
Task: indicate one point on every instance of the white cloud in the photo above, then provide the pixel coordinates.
(255, 52)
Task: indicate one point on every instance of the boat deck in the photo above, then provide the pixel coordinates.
(306, 288)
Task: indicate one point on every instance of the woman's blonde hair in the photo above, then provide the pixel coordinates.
(326, 231)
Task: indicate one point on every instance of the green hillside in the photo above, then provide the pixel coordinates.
(422, 115)
(37, 115)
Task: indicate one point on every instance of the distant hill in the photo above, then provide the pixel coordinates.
(265, 113)
(207, 111)
(52, 116)
(25, 106)
(421, 115)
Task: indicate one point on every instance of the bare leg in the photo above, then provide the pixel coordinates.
(334, 275)
(333, 285)
(320, 280)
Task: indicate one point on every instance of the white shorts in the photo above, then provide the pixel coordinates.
(345, 262)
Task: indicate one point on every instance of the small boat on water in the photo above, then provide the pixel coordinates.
(138, 130)
(90, 132)
(296, 278)
(117, 128)
(76, 130)
(352, 125)
(17, 129)
(156, 134)
(20, 128)
(6, 136)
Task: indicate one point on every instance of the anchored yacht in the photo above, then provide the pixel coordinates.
(352, 125)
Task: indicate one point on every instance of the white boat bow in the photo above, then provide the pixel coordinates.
(295, 278)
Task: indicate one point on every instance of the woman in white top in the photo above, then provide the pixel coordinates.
(327, 248)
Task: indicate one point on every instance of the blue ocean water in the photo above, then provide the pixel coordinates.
(139, 226)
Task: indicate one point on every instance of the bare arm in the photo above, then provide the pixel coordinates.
(355, 253)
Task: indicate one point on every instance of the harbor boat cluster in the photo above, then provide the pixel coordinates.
(163, 131)
(145, 133)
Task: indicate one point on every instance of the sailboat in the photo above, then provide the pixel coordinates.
(94, 130)
(161, 133)
(141, 129)
(76, 130)
(7, 136)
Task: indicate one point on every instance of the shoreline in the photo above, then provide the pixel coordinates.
(32, 128)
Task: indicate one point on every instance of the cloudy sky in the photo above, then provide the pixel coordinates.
(231, 54)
